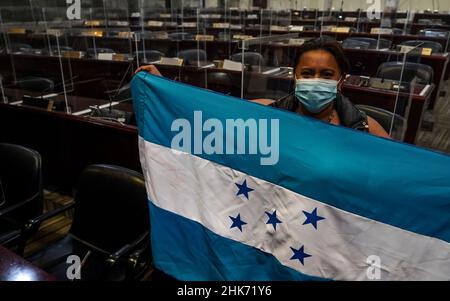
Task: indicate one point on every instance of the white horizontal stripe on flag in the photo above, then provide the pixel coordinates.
(205, 192)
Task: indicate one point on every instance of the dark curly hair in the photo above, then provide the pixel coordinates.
(327, 44)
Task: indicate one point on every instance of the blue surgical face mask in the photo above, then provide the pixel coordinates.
(315, 94)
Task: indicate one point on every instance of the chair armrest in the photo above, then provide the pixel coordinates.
(18, 205)
(43, 217)
(126, 249)
(133, 259)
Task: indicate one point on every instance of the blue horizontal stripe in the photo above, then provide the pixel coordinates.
(211, 257)
(383, 180)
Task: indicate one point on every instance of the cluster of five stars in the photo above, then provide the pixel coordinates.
(311, 218)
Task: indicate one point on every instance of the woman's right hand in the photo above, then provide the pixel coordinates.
(150, 69)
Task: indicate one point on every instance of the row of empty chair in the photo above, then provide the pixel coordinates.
(110, 230)
(370, 43)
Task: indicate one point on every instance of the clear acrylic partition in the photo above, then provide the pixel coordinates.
(386, 29)
(262, 76)
(325, 19)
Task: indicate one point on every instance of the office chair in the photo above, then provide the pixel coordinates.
(250, 58)
(20, 47)
(149, 55)
(54, 49)
(393, 70)
(35, 83)
(310, 28)
(366, 43)
(90, 52)
(192, 56)
(21, 193)
(435, 46)
(110, 223)
(397, 31)
(180, 36)
(384, 118)
(222, 82)
(355, 44)
(431, 32)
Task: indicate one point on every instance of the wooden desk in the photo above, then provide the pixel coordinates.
(15, 268)
(69, 143)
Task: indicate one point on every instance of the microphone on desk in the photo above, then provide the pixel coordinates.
(115, 115)
(121, 86)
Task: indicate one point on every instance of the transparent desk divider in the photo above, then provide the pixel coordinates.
(261, 75)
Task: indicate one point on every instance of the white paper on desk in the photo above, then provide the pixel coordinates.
(171, 61)
(230, 65)
(106, 56)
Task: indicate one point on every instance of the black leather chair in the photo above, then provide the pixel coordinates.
(393, 71)
(20, 47)
(397, 31)
(250, 58)
(21, 194)
(222, 82)
(385, 118)
(36, 84)
(180, 36)
(366, 43)
(432, 32)
(435, 46)
(149, 55)
(192, 56)
(91, 52)
(54, 49)
(110, 223)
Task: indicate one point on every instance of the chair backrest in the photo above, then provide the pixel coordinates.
(37, 84)
(111, 207)
(15, 47)
(366, 43)
(149, 55)
(384, 118)
(221, 82)
(431, 32)
(21, 179)
(393, 71)
(92, 51)
(435, 46)
(250, 58)
(355, 44)
(190, 56)
(62, 48)
(179, 36)
(398, 31)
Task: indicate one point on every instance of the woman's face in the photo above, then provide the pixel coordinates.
(318, 64)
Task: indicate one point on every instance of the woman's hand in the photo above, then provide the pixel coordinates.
(150, 69)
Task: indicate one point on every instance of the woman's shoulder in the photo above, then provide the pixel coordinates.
(288, 103)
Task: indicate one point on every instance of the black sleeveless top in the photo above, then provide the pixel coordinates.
(349, 115)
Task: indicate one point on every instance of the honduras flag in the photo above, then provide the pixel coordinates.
(298, 200)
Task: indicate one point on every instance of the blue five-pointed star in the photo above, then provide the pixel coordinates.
(312, 218)
(299, 254)
(237, 222)
(273, 219)
(243, 189)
